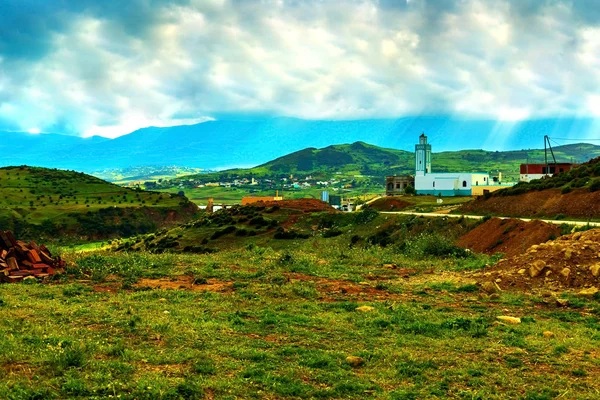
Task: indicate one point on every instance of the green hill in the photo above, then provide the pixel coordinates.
(52, 202)
(365, 159)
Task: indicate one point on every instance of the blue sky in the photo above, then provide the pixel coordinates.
(109, 67)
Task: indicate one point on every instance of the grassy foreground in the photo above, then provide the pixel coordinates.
(260, 323)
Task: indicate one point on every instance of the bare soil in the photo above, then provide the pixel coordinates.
(580, 203)
(389, 204)
(304, 205)
(508, 236)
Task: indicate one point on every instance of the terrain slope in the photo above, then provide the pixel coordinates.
(574, 194)
(52, 202)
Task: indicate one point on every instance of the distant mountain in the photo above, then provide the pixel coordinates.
(231, 143)
(365, 159)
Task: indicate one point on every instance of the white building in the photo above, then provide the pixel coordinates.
(445, 184)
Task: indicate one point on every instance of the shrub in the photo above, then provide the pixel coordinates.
(595, 185)
(566, 189)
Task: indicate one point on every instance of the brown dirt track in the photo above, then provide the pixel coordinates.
(507, 236)
(580, 203)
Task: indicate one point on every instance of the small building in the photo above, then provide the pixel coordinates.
(395, 185)
(530, 172)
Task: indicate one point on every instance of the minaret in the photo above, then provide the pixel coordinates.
(422, 156)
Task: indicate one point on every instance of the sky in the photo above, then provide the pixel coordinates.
(88, 67)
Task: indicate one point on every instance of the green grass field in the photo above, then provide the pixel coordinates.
(279, 319)
(39, 200)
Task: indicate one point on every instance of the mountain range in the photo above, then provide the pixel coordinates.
(246, 143)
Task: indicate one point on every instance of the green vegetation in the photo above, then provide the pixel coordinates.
(280, 322)
(363, 159)
(36, 201)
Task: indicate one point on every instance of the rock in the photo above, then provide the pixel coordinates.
(568, 254)
(549, 272)
(536, 268)
(595, 269)
(162, 300)
(490, 287)
(509, 320)
(576, 235)
(562, 302)
(522, 271)
(494, 296)
(390, 266)
(565, 272)
(365, 308)
(589, 292)
(29, 279)
(363, 283)
(548, 334)
(355, 361)
(498, 280)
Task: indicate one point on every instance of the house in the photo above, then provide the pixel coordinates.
(530, 172)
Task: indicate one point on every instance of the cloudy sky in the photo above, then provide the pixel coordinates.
(109, 67)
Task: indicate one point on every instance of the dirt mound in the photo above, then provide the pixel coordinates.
(571, 261)
(389, 204)
(507, 236)
(580, 203)
(305, 205)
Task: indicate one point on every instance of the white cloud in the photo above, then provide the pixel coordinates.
(310, 59)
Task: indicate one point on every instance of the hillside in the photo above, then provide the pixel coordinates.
(573, 194)
(49, 202)
(239, 142)
(366, 159)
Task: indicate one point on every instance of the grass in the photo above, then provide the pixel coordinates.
(281, 326)
(40, 200)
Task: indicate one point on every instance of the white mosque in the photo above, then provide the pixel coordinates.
(447, 184)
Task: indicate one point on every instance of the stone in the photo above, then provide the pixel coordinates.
(509, 320)
(562, 302)
(565, 272)
(365, 308)
(490, 287)
(390, 266)
(494, 296)
(568, 254)
(595, 269)
(29, 278)
(548, 334)
(536, 268)
(522, 271)
(498, 280)
(162, 300)
(363, 283)
(549, 272)
(576, 235)
(355, 361)
(589, 292)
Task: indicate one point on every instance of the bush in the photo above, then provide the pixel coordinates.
(595, 185)
(566, 189)
(332, 233)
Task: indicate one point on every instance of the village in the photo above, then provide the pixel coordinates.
(343, 191)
